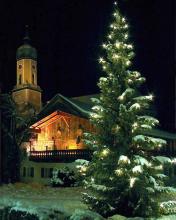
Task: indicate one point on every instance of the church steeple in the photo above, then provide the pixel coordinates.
(26, 38)
(27, 92)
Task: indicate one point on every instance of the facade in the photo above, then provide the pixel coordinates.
(56, 134)
(56, 139)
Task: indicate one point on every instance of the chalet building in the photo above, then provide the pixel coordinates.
(56, 139)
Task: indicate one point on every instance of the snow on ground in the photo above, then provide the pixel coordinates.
(34, 195)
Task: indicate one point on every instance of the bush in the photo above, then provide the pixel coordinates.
(63, 177)
(81, 168)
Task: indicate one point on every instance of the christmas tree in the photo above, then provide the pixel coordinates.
(123, 177)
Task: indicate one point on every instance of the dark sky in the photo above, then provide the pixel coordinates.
(68, 33)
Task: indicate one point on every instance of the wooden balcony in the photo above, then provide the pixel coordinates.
(60, 156)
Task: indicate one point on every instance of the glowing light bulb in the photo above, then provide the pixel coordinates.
(115, 3)
(117, 128)
(135, 125)
(137, 74)
(105, 152)
(121, 97)
(101, 60)
(115, 56)
(130, 46)
(123, 19)
(111, 26)
(128, 62)
(104, 45)
(126, 36)
(83, 169)
(110, 36)
(149, 164)
(160, 167)
(92, 179)
(150, 97)
(115, 14)
(117, 44)
(104, 67)
(125, 26)
(130, 81)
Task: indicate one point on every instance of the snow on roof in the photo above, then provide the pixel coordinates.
(82, 107)
(161, 134)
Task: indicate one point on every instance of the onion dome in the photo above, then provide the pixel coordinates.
(26, 51)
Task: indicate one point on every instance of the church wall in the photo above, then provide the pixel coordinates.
(19, 96)
(35, 98)
(24, 96)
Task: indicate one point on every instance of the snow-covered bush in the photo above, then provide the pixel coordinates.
(85, 215)
(63, 177)
(81, 168)
(168, 207)
(31, 213)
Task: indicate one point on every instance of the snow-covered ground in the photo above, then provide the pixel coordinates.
(44, 201)
(34, 196)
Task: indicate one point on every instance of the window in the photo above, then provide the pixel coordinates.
(175, 169)
(19, 79)
(50, 172)
(19, 66)
(46, 172)
(166, 169)
(33, 67)
(32, 78)
(42, 172)
(24, 171)
(32, 172)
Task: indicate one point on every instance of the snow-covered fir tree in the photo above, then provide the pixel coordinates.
(123, 177)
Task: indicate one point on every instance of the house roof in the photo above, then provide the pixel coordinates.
(161, 134)
(86, 98)
(81, 107)
(69, 105)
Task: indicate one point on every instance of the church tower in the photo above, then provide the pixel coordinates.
(27, 93)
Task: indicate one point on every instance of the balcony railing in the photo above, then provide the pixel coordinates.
(59, 155)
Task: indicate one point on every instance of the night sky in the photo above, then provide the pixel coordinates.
(68, 33)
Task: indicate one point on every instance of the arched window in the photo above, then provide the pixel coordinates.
(19, 79)
(32, 78)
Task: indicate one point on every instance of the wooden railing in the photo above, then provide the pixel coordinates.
(59, 155)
